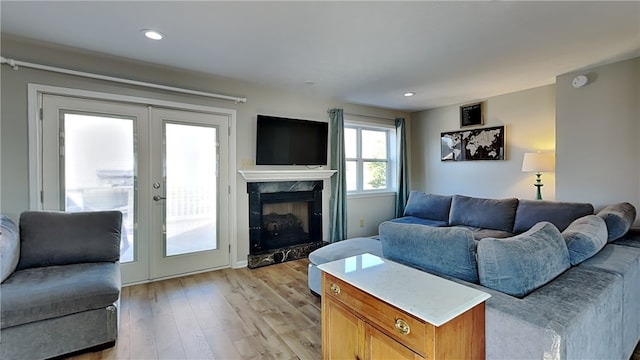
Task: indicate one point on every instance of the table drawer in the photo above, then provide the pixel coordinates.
(405, 328)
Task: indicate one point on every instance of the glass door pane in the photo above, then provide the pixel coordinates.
(99, 168)
(191, 183)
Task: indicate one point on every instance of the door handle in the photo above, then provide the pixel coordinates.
(158, 197)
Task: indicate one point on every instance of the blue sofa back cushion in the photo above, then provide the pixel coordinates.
(428, 206)
(560, 214)
(56, 238)
(619, 218)
(520, 264)
(439, 250)
(497, 214)
(9, 247)
(585, 237)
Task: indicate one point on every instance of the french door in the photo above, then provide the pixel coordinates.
(164, 169)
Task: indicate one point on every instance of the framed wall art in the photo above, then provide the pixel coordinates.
(472, 114)
(473, 144)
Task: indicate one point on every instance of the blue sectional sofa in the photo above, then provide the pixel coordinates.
(564, 281)
(60, 283)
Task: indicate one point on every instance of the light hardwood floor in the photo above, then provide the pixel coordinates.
(264, 313)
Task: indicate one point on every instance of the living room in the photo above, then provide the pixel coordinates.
(594, 130)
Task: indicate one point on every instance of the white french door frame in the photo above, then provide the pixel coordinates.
(35, 93)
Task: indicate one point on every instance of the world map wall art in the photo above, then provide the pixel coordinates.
(476, 144)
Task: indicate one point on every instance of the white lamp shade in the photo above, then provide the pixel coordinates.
(538, 162)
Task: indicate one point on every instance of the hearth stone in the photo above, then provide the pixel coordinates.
(277, 256)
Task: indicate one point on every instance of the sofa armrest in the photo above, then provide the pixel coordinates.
(550, 322)
(56, 238)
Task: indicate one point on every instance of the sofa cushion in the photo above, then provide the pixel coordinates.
(631, 238)
(521, 264)
(585, 237)
(480, 233)
(619, 218)
(55, 238)
(497, 214)
(344, 249)
(560, 214)
(428, 206)
(441, 250)
(419, 220)
(9, 247)
(46, 292)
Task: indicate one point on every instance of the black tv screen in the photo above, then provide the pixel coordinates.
(284, 141)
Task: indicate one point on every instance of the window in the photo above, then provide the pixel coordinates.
(370, 158)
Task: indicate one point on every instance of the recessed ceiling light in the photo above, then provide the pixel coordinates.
(152, 34)
(309, 82)
(407, 94)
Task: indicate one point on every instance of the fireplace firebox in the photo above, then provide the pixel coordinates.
(285, 220)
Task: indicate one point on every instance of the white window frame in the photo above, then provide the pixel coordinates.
(392, 158)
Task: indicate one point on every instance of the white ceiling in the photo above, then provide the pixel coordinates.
(359, 52)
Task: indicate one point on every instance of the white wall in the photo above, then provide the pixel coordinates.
(370, 212)
(598, 130)
(262, 100)
(528, 117)
(595, 131)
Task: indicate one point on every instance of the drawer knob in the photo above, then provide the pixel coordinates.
(402, 327)
(335, 289)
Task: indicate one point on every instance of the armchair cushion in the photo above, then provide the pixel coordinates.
(9, 247)
(57, 238)
(49, 292)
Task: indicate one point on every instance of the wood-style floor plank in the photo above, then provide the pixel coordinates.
(264, 313)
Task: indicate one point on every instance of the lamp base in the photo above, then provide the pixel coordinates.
(538, 192)
(538, 185)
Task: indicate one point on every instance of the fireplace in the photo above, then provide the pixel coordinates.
(285, 220)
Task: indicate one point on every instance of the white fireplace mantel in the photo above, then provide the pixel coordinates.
(286, 175)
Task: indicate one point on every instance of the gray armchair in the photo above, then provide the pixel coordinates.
(61, 294)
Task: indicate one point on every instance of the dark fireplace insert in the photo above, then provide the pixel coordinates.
(285, 220)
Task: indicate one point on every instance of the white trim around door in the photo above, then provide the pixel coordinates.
(35, 93)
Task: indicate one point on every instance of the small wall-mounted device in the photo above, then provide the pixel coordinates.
(579, 81)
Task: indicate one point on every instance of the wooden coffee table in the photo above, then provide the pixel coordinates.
(373, 308)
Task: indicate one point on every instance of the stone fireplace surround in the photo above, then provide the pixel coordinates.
(281, 185)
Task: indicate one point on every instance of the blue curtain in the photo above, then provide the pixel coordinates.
(338, 199)
(403, 171)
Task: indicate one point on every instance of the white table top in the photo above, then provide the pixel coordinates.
(426, 296)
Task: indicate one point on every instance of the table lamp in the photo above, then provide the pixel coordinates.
(538, 163)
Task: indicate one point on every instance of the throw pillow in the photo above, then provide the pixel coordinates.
(585, 237)
(9, 247)
(520, 264)
(619, 218)
(444, 251)
(428, 206)
(497, 214)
